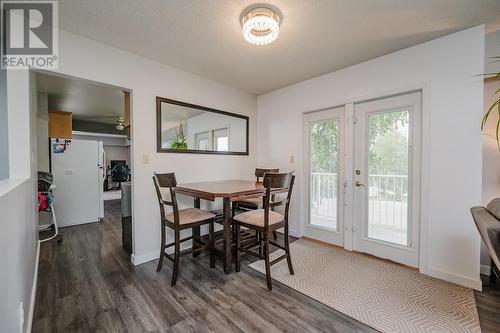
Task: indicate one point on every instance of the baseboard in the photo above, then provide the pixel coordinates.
(292, 233)
(153, 255)
(143, 258)
(33, 292)
(485, 270)
(458, 279)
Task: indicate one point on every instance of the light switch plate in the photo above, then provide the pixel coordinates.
(145, 159)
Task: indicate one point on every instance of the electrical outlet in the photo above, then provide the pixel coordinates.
(292, 159)
(21, 317)
(145, 159)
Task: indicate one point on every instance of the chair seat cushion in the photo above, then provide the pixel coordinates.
(190, 215)
(253, 202)
(256, 217)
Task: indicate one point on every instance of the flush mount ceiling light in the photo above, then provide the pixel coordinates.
(120, 124)
(260, 26)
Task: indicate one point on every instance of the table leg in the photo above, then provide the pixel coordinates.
(196, 230)
(226, 207)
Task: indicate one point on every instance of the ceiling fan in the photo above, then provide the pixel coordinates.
(120, 123)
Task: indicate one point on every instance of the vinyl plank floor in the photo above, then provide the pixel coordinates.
(86, 283)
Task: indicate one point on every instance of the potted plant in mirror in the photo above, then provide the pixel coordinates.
(180, 140)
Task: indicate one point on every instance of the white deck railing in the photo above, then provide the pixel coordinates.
(387, 201)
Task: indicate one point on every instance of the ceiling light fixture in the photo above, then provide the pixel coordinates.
(120, 124)
(260, 26)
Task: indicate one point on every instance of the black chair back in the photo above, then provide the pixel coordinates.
(166, 180)
(282, 182)
(260, 172)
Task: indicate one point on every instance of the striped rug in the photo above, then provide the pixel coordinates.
(383, 295)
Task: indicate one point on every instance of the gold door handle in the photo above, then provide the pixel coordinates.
(358, 184)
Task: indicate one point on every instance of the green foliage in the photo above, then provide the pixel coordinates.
(180, 140)
(495, 105)
(324, 147)
(388, 145)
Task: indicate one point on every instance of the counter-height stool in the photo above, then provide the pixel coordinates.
(266, 221)
(254, 203)
(177, 220)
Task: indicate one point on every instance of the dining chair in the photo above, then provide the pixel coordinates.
(254, 203)
(177, 220)
(266, 221)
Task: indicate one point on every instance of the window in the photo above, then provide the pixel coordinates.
(221, 140)
(202, 141)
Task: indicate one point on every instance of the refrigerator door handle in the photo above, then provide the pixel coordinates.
(103, 165)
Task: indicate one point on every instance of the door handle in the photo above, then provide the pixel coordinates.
(359, 184)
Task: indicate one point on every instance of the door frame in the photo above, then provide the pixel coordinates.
(408, 255)
(133, 258)
(318, 232)
(348, 103)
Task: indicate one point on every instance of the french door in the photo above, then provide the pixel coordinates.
(387, 178)
(324, 149)
(380, 160)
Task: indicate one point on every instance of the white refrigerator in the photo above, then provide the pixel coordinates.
(79, 170)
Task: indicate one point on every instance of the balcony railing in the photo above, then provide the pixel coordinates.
(387, 200)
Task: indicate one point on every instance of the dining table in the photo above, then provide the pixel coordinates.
(228, 191)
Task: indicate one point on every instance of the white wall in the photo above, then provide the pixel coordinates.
(445, 70)
(18, 105)
(42, 129)
(90, 60)
(18, 206)
(18, 250)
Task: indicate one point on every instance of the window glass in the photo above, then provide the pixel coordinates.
(202, 141)
(221, 140)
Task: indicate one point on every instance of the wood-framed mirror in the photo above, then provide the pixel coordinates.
(194, 129)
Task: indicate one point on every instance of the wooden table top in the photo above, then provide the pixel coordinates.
(221, 189)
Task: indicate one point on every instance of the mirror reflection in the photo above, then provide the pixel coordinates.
(190, 128)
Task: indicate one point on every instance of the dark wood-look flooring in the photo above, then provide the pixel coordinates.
(488, 306)
(87, 284)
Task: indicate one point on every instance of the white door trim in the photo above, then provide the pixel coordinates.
(425, 88)
(408, 255)
(348, 177)
(318, 232)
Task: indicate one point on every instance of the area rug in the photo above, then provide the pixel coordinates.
(380, 294)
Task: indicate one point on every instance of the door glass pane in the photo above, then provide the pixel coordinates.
(388, 155)
(323, 178)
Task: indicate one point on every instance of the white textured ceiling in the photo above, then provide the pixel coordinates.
(173, 115)
(317, 36)
(86, 100)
